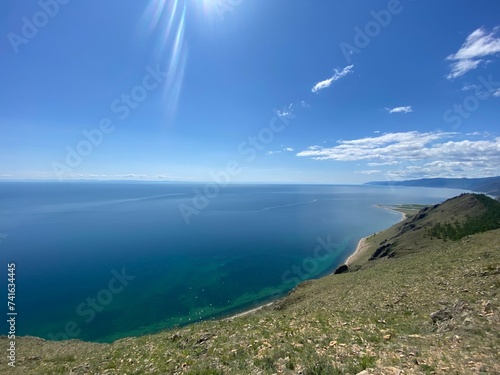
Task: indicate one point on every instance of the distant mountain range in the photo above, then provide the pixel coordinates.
(488, 185)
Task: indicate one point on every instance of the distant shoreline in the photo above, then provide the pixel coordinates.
(363, 245)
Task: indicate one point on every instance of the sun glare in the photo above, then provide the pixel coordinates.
(164, 21)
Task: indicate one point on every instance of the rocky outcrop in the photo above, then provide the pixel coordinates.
(341, 269)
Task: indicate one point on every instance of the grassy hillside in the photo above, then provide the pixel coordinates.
(454, 230)
(465, 214)
(432, 308)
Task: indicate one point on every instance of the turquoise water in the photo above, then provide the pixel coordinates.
(100, 261)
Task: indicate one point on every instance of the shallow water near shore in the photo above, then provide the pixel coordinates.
(99, 261)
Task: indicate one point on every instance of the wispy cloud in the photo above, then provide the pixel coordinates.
(286, 149)
(470, 86)
(337, 75)
(286, 111)
(370, 171)
(482, 90)
(479, 44)
(404, 109)
(416, 154)
(376, 164)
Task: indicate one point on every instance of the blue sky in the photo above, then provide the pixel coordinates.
(257, 91)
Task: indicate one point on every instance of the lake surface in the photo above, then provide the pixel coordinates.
(100, 261)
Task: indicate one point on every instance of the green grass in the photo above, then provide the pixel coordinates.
(488, 220)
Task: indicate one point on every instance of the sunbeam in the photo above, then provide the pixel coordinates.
(164, 21)
(178, 59)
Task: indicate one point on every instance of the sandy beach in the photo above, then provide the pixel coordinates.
(248, 311)
(362, 245)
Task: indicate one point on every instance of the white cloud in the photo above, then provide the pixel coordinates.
(394, 162)
(478, 44)
(386, 147)
(404, 109)
(370, 171)
(470, 86)
(286, 149)
(286, 112)
(415, 154)
(482, 90)
(328, 82)
(461, 67)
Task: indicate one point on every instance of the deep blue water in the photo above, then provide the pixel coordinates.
(251, 244)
